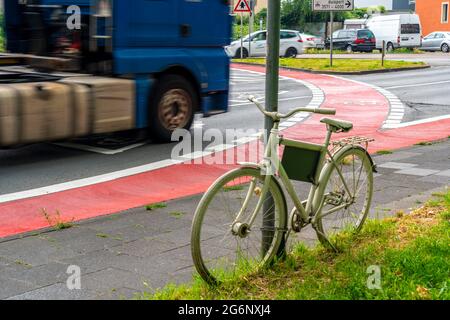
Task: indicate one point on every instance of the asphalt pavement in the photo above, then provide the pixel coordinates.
(424, 93)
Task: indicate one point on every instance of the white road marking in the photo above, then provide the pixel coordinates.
(87, 181)
(262, 100)
(99, 150)
(413, 123)
(418, 85)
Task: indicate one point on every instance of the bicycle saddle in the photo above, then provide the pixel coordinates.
(338, 125)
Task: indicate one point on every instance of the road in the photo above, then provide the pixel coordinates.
(424, 92)
(47, 164)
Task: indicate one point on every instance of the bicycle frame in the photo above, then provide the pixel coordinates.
(308, 209)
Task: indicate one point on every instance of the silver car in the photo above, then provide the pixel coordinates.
(437, 41)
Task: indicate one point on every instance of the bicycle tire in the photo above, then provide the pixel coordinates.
(210, 215)
(362, 184)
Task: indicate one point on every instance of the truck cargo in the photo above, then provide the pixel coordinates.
(145, 65)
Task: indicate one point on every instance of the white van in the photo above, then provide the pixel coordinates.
(399, 30)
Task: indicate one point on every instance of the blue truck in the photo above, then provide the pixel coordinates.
(161, 61)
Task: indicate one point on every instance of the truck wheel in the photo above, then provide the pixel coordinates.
(349, 49)
(173, 105)
(445, 48)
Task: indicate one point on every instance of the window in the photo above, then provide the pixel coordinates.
(365, 34)
(287, 35)
(259, 37)
(341, 34)
(430, 36)
(444, 13)
(410, 28)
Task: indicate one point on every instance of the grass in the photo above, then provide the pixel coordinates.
(177, 214)
(410, 250)
(56, 221)
(155, 206)
(233, 188)
(340, 65)
(424, 144)
(396, 51)
(384, 152)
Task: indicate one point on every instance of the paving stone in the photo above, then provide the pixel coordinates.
(119, 294)
(396, 156)
(39, 276)
(445, 173)
(417, 172)
(58, 291)
(97, 260)
(145, 247)
(83, 240)
(397, 165)
(442, 180)
(109, 280)
(34, 251)
(11, 287)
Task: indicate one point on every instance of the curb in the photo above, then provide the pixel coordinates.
(337, 73)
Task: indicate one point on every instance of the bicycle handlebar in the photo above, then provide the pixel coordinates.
(278, 116)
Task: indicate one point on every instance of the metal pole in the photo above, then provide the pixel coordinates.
(242, 36)
(250, 29)
(383, 52)
(331, 38)
(272, 85)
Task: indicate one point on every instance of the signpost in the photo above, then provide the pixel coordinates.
(242, 7)
(331, 6)
(272, 88)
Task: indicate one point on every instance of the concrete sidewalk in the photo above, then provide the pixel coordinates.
(140, 250)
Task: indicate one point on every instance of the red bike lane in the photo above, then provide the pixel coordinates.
(355, 102)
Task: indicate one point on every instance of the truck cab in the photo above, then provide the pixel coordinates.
(172, 51)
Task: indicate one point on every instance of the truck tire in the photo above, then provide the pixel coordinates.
(173, 104)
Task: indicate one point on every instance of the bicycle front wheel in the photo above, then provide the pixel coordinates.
(347, 196)
(224, 242)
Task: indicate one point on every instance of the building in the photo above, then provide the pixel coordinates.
(390, 5)
(434, 15)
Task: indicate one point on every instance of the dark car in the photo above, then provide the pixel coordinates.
(353, 40)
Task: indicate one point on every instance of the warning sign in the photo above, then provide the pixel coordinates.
(242, 6)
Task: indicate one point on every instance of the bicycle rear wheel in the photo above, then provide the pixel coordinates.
(223, 246)
(347, 196)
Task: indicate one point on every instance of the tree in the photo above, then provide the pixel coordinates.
(297, 13)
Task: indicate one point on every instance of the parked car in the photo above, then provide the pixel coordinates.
(437, 41)
(291, 44)
(312, 42)
(362, 40)
(398, 31)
